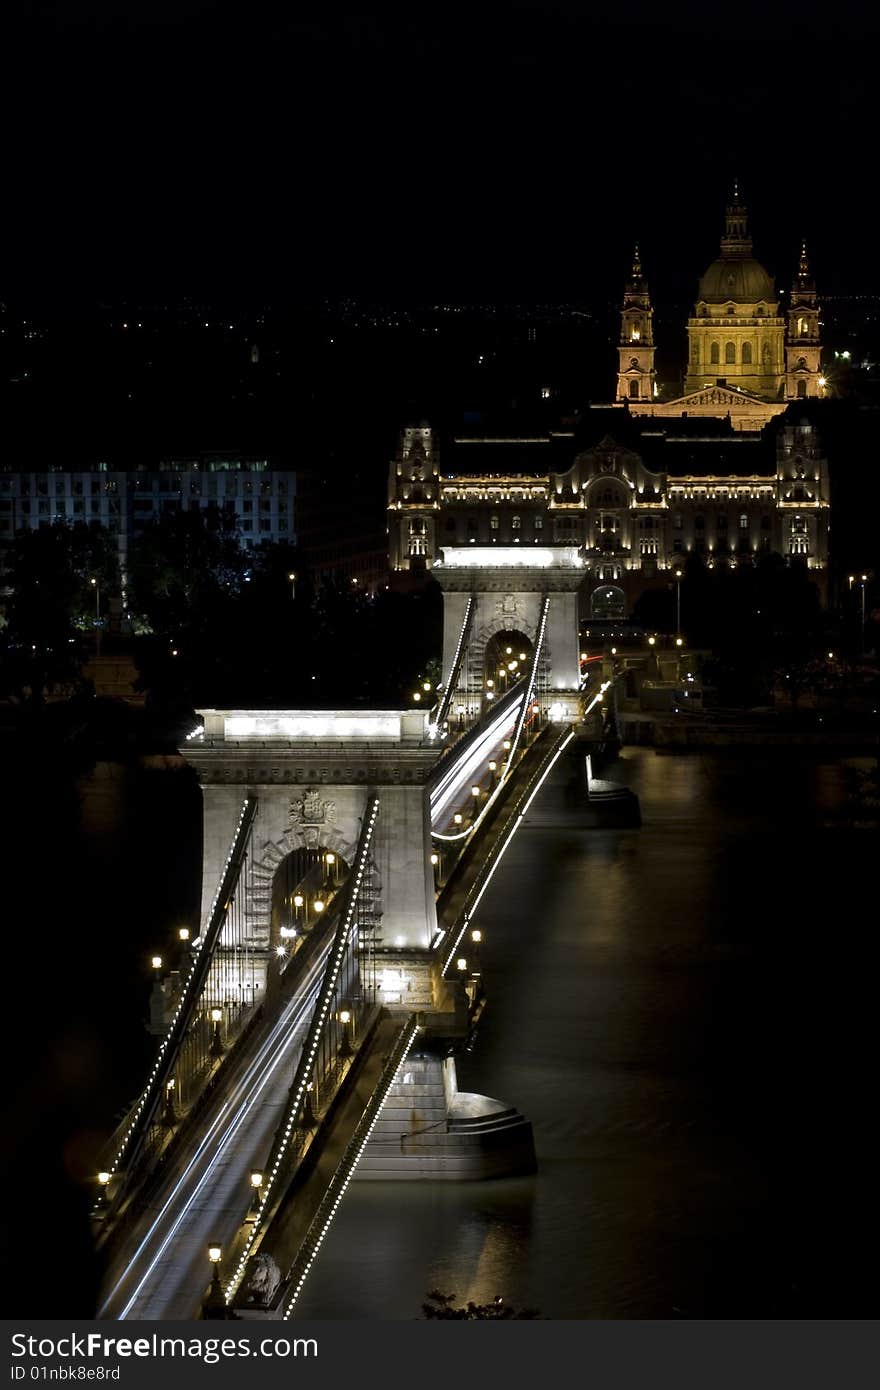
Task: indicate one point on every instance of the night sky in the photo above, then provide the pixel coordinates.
(456, 150)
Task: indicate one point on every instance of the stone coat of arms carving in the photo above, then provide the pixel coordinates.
(310, 813)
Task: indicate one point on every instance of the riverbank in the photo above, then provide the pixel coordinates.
(748, 729)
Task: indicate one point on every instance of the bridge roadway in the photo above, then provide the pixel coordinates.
(161, 1271)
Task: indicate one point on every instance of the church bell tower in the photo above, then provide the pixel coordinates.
(803, 350)
(635, 350)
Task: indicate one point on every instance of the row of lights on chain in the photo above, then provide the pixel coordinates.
(105, 1176)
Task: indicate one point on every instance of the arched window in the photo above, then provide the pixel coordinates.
(634, 390)
(516, 523)
(715, 353)
(609, 498)
(729, 353)
(494, 522)
(747, 354)
(801, 390)
(743, 521)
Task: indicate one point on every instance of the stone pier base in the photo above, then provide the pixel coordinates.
(429, 1129)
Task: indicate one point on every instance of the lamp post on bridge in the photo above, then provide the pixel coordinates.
(256, 1181)
(214, 1306)
(216, 1048)
(345, 1048)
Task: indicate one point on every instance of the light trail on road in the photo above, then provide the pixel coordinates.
(196, 1178)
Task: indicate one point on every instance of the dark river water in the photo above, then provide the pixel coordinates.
(686, 1012)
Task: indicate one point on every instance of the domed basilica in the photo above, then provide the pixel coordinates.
(746, 358)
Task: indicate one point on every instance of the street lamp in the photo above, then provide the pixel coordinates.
(678, 576)
(156, 962)
(183, 934)
(96, 585)
(216, 1048)
(103, 1183)
(318, 904)
(215, 1303)
(256, 1181)
(292, 578)
(345, 1040)
(863, 583)
(169, 1118)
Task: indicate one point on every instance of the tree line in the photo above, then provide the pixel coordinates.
(205, 618)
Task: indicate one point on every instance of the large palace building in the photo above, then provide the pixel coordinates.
(635, 505)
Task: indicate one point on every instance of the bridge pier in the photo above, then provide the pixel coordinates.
(430, 1130)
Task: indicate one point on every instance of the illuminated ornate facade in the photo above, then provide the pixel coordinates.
(746, 358)
(727, 498)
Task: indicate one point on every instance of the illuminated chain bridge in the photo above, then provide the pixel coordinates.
(307, 1037)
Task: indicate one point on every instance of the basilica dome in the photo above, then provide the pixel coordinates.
(743, 280)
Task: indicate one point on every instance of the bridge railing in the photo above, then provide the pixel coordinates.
(351, 1156)
(323, 1053)
(192, 1033)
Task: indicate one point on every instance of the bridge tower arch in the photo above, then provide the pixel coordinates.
(487, 592)
(312, 773)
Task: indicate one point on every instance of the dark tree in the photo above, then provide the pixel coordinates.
(50, 612)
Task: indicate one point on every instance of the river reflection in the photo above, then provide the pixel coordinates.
(683, 1013)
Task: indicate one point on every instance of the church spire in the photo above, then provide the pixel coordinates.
(635, 349)
(736, 242)
(803, 283)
